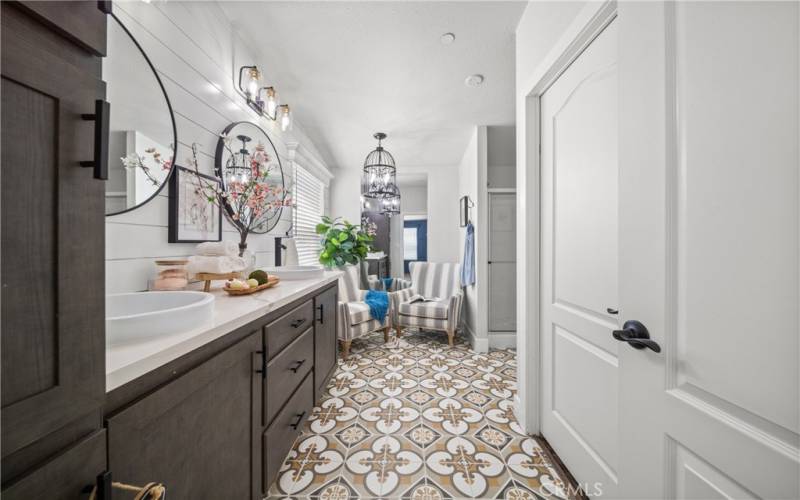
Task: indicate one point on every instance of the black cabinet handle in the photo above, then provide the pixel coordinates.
(296, 424)
(101, 489)
(636, 335)
(297, 323)
(102, 113)
(611, 311)
(263, 370)
(297, 365)
(321, 319)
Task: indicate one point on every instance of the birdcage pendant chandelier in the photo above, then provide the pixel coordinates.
(379, 178)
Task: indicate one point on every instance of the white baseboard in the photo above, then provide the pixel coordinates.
(503, 340)
(478, 344)
(519, 413)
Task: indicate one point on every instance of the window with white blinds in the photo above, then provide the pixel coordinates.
(309, 193)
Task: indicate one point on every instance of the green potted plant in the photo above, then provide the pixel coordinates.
(342, 242)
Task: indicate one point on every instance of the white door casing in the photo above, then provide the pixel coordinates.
(709, 251)
(578, 159)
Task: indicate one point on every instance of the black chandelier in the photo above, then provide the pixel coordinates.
(379, 178)
(391, 204)
(237, 168)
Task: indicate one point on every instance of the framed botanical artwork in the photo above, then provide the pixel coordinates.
(192, 217)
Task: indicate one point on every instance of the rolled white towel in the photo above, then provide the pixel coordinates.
(219, 264)
(230, 248)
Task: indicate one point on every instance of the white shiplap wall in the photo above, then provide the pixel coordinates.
(197, 54)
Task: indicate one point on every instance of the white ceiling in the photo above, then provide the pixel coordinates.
(349, 69)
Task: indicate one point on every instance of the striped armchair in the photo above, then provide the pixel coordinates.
(354, 318)
(397, 284)
(430, 279)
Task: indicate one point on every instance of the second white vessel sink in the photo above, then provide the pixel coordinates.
(296, 272)
(132, 317)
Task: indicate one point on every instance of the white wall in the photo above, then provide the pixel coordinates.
(415, 199)
(468, 182)
(197, 54)
(346, 194)
(540, 30)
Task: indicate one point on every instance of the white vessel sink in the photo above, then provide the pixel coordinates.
(296, 272)
(132, 317)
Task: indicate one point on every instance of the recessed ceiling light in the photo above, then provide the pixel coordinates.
(447, 38)
(474, 80)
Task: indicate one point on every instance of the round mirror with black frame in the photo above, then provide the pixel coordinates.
(251, 172)
(142, 133)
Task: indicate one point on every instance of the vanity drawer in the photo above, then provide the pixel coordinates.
(288, 327)
(285, 372)
(280, 436)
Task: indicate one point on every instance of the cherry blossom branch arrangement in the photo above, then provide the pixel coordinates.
(134, 161)
(252, 200)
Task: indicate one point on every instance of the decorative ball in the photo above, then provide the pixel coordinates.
(260, 276)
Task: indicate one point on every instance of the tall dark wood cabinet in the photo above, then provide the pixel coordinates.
(53, 373)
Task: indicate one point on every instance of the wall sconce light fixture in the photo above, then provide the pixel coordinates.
(263, 100)
(285, 117)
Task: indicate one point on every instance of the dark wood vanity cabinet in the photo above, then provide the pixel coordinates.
(53, 253)
(196, 433)
(218, 422)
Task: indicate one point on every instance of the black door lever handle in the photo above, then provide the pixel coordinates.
(636, 335)
(612, 311)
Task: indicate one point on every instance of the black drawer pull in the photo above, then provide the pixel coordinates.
(321, 319)
(297, 365)
(263, 370)
(296, 424)
(297, 323)
(102, 111)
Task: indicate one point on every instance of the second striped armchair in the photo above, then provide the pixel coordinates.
(430, 279)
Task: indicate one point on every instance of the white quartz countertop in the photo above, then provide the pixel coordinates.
(129, 361)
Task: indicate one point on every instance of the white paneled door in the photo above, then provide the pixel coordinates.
(579, 265)
(708, 249)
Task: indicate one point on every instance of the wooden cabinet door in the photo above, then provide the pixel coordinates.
(324, 339)
(200, 434)
(53, 237)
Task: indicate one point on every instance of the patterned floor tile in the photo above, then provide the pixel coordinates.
(426, 489)
(466, 467)
(390, 416)
(333, 415)
(313, 462)
(384, 467)
(531, 467)
(415, 418)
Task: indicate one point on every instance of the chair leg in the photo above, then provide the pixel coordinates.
(345, 349)
(398, 330)
(386, 335)
(450, 335)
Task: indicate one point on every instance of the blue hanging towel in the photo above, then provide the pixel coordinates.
(378, 303)
(468, 265)
(387, 283)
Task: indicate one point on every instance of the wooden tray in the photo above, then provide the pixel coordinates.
(209, 277)
(271, 281)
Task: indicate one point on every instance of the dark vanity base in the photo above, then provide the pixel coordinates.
(218, 422)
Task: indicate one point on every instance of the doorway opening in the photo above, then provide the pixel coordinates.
(415, 240)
